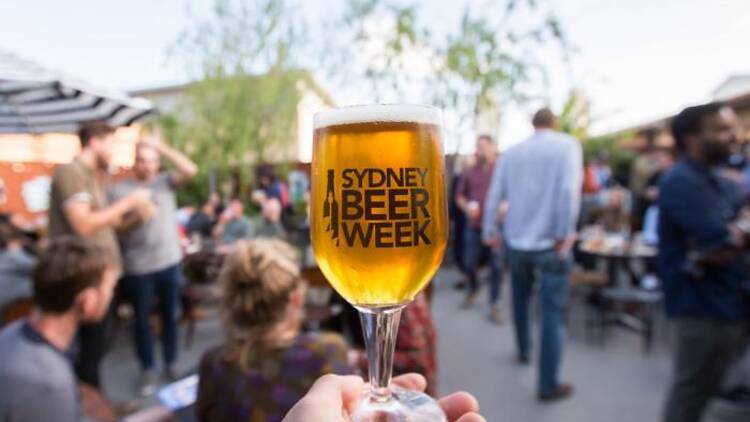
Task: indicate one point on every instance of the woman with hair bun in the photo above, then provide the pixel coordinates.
(265, 364)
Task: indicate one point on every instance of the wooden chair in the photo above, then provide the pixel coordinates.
(586, 285)
(15, 310)
(588, 278)
(315, 277)
(201, 271)
(96, 405)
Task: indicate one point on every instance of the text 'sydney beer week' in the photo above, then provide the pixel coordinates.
(381, 208)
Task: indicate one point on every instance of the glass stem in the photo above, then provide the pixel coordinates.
(379, 326)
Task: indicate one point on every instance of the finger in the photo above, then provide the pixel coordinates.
(471, 417)
(458, 404)
(334, 390)
(411, 381)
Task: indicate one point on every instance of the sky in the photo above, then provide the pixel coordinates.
(635, 60)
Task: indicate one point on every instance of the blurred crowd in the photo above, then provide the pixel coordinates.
(552, 216)
(122, 251)
(540, 215)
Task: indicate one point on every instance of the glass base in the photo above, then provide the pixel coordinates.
(403, 406)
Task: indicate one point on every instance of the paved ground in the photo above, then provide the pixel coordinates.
(615, 381)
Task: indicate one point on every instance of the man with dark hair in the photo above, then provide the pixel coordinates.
(73, 283)
(78, 206)
(151, 253)
(700, 259)
(470, 195)
(93, 130)
(540, 178)
(202, 222)
(544, 118)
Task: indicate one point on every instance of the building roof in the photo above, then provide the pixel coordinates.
(301, 74)
(733, 86)
(734, 91)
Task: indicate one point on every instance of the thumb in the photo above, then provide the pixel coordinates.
(471, 417)
(329, 399)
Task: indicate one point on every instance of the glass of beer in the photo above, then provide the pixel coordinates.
(379, 230)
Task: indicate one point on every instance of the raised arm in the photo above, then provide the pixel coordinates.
(185, 168)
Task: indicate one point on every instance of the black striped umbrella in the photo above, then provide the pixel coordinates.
(36, 100)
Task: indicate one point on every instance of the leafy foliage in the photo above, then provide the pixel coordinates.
(469, 70)
(575, 116)
(242, 109)
(248, 59)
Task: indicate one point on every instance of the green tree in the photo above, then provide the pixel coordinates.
(575, 116)
(475, 68)
(242, 108)
(575, 119)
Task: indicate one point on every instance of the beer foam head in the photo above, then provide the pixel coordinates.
(377, 113)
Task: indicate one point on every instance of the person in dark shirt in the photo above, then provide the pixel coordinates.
(202, 222)
(265, 364)
(700, 258)
(16, 265)
(470, 195)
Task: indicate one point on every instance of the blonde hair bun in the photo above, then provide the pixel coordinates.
(256, 280)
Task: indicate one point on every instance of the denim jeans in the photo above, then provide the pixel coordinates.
(140, 290)
(551, 271)
(473, 251)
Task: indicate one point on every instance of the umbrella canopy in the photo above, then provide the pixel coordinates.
(34, 99)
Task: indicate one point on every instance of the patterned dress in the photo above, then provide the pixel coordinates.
(416, 344)
(267, 391)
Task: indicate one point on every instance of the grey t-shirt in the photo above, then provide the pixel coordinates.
(155, 245)
(238, 228)
(264, 228)
(36, 379)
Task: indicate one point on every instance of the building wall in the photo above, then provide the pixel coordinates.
(27, 163)
(306, 109)
(55, 148)
(168, 101)
(26, 186)
(744, 117)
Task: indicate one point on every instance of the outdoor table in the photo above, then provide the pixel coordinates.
(620, 257)
(625, 304)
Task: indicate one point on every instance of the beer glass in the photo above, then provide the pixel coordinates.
(379, 230)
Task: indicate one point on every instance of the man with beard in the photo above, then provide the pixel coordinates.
(78, 206)
(151, 254)
(700, 258)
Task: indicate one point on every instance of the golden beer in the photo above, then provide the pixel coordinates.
(378, 209)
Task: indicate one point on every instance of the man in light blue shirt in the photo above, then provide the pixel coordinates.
(540, 179)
